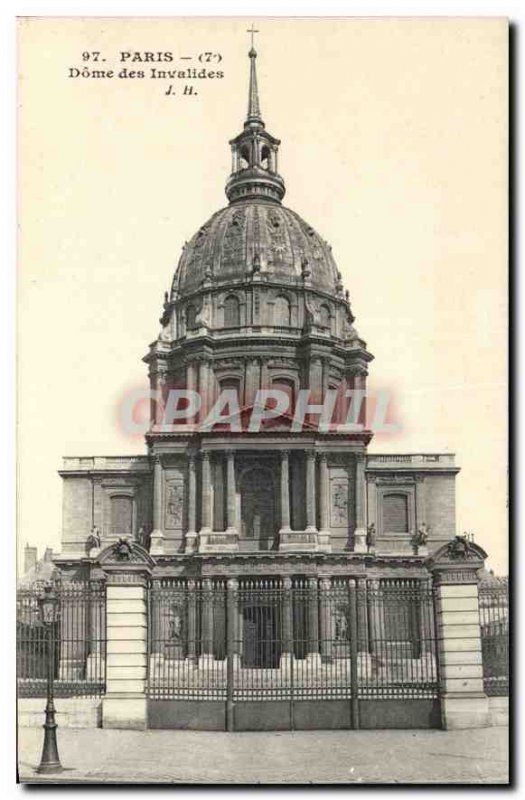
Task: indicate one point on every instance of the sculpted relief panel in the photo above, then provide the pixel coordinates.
(339, 503)
(174, 505)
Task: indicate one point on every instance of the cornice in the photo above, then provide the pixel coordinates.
(311, 435)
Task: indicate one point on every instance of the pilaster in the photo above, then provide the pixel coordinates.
(360, 505)
(157, 534)
(191, 534)
(285, 491)
(324, 532)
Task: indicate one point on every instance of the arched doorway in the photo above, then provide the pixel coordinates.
(257, 509)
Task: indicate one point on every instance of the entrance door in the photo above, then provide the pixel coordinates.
(257, 510)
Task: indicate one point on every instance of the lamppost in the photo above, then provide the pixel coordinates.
(48, 605)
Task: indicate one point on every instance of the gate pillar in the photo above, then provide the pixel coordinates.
(127, 567)
(454, 569)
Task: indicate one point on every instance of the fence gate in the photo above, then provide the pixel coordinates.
(292, 653)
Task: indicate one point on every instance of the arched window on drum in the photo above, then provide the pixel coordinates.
(232, 312)
(281, 311)
(286, 386)
(232, 385)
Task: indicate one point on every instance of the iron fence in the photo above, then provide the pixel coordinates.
(78, 641)
(187, 639)
(402, 659)
(494, 620)
(299, 638)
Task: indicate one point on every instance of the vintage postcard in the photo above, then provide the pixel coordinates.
(262, 421)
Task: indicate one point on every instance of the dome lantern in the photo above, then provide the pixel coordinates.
(254, 153)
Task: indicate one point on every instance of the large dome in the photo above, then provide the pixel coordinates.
(253, 236)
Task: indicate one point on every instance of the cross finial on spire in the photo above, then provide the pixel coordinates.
(254, 112)
(252, 31)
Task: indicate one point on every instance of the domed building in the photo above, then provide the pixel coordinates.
(257, 304)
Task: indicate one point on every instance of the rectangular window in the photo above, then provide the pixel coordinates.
(121, 516)
(395, 513)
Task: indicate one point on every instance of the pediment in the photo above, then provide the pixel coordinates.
(123, 552)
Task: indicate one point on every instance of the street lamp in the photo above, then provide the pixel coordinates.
(48, 606)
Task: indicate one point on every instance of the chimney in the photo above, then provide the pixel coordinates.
(30, 558)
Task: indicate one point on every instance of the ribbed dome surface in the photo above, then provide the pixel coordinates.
(255, 236)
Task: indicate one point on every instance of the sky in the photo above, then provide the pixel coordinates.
(394, 148)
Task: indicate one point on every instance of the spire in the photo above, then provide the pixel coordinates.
(254, 152)
(254, 111)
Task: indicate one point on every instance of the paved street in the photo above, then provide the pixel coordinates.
(474, 756)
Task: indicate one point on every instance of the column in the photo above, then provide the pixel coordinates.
(234, 160)
(204, 389)
(360, 386)
(206, 623)
(285, 491)
(342, 401)
(313, 619)
(191, 382)
(325, 619)
(325, 379)
(231, 526)
(315, 374)
(125, 702)
(252, 381)
(205, 493)
(310, 492)
(454, 569)
(191, 534)
(218, 522)
(324, 490)
(265, 381)
(360, 504)
(158, 384)
(157, 535)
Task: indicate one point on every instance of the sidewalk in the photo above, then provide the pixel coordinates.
(109, 756)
